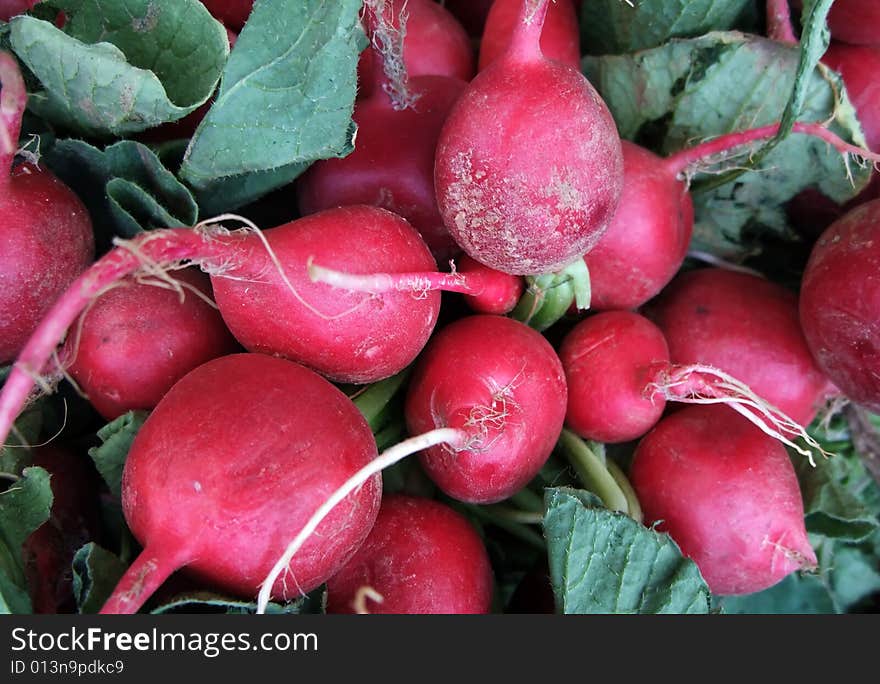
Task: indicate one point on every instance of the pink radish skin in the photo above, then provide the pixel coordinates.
(747, 327)
(435, 44)
(499, 381)
(858, 66)
(727, 494)
(560, 39)
(137, 340)
(392, 165)
(11, 8)
(499, 292)
(272, 305)
(853, 21)
(46, 237)
(233, 460)
(347, 336)
(421, 557)
(529, 168)
(840, 304)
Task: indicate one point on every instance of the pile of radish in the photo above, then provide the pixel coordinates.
(367, 400)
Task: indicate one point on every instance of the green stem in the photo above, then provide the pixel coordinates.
(375, 398)
(517, 529)
(526, 500)
(633, 507)
(592, 472)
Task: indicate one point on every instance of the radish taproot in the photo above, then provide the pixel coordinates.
(46, 236)
(747, 327)
(135, 341)
(619, 376)
(529, 167)
(727, 494)
(233, 460)
(262, 288)
(392, 165)
(421, 557)
(560, 38)
(840, 304)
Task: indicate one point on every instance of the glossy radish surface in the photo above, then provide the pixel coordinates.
(231, 463)
(727, 494)
(420, 557)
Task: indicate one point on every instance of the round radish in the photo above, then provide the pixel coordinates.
(11, 8)
(853, 21)
(434, 43)
(748, 327)
(560, 39)
(727, 494)
(840, 304)
(420, 557)
(246, 447)
(46, 237)
(529, 167)
(500, 383)
(137, 340)
(233, 13)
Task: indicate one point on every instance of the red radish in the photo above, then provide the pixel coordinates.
(46, 237)
(434, 44)
(10, 8)
(501, 383)
(727, 494)
(262, 288)
(233, 13)
(421, 557)
(840, 304)
(244, 446)
(853, 21)
(748, 327)
(484, 289)
(529, 168)
(137, 340)
(74, 521)
(392, 165)
(560, 38)
(619, 378)
(858, 66)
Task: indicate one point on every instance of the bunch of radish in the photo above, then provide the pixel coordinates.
(483, 174)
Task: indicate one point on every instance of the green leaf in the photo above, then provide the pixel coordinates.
(832, 504)
(615, 26)
(688, 90)
(285, 100)
(795, 595)
(121, 66)
(605, 562)
(24, 507)
(25, 432)
(116, 438)
(126, 187)
(96, 572)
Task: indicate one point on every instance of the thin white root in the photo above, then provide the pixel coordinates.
(359, 604)
(722, 388)
(708, 258)
(451, 436)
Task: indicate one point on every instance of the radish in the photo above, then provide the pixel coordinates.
(11, 8)
(727, 494)
(748, 327)
(858, 67)
(529, 168)
(392, 165)
(421, 557)
(46, 237)
(501, 385)
(853, 21)
(840, 304)
(233, 13)
(619, 378)
(264, 294)
(137, 340)
(560, 38)
(233, 460)
(434, 43)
